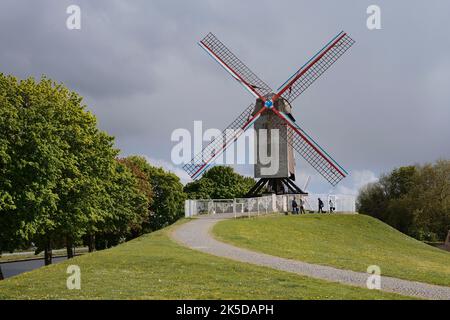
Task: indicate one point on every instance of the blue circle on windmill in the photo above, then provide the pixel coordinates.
(269, 104)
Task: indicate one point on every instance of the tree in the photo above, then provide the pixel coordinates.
(125, 208)
(59, 178)
(199, 189)
(399, 182)
(168, 205)
(372, 200)
(9, 126)
(86, 175)
(168, 197)
(413, 199)
(60, 181)
(34, 159)
(432, 197)
(219, 182)
(144, 186)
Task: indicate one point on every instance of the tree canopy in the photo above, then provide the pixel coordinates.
(219, 182)
(168, 197)
(59, 179)
(413, 199)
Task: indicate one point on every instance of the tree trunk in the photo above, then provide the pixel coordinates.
(1, 273)
(69, 246)
(91, 242)
(48, 252)
(447, 241)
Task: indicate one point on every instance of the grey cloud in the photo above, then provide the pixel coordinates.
(384, 104)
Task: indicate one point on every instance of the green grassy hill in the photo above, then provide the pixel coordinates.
(155, 267)
(344, 241)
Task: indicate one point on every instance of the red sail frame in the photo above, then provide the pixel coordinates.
(313, 69)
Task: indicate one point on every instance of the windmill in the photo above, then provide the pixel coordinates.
(273, 111)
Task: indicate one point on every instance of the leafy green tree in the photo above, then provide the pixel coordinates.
(199, 189)
(219, 182)
(9, 126)
(373, 200)
(168, 196)
(413, 199)
(143, 184)
(59, 178)
(34, 158)
(388, 199)
(399, 182)
(125, 208)
(86, 176)
(432, 199)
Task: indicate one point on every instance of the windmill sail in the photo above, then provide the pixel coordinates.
(238, 70)
(229, 135)
(312, 152)
(315, 67)
(295, 136)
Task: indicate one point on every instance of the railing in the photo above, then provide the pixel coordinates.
(267, 204)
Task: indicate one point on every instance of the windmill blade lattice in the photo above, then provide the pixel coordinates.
(309, 149)
(233, 65)
(228, 136)
(295, 137)
(315, 67)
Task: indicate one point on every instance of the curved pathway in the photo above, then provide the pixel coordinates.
(196, 235)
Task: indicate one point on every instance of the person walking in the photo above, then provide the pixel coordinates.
(302, 206)
(294, 207)
(320, 205)
(331, 205)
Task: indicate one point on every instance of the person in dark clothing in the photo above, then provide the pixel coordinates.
(320, 205)
(302, 206)
(294, 206)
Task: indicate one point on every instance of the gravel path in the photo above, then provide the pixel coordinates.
(196, 235)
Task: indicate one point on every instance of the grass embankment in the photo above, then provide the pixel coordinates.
(155, 267)
(345, 241)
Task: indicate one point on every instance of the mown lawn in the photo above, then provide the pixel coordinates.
(155, 267)
(345, 241)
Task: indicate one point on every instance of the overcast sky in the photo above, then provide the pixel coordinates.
(384, 104)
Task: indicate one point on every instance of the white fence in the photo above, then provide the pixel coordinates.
(267, 204)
